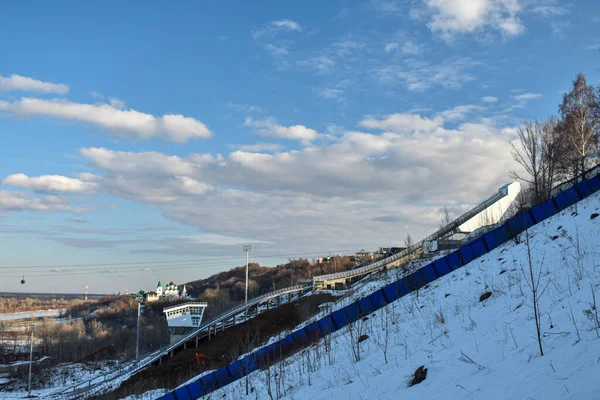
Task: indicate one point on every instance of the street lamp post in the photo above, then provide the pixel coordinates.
(247, 249)
(137, 339)
(32, 329)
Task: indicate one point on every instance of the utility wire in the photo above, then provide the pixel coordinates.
(214, 261)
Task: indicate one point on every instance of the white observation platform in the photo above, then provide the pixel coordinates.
(188, 315)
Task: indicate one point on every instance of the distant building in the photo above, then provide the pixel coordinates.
(170, 291)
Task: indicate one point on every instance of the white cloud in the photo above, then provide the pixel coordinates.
(50, 183)
(258, 147)
(330, 93)
(16, 201)
(528, 96)
(287, 24)
(391, 47)
(116, 103)
(121, 123)
(455, 17)
(489, 99)
(270, 127)
(273, 28)
(264, 194)
(322, 64)
(26, 84)
(403, 123)
(460, 112)
(410, 47)
(550, 11)
(420, 75)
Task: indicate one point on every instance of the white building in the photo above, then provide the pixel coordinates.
(171, 290)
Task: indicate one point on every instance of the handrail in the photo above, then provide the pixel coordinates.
(502, 192)
(221, 317)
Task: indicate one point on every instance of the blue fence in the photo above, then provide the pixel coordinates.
(382, 297)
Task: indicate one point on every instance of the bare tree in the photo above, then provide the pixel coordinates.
(533, 279)
(580, 126)
(445, 219)
(537, 153)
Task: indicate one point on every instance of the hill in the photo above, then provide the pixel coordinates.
(473, 332)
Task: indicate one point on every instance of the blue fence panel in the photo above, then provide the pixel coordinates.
(453, 260)
(314, 331)
(339, 318)
(182, 393)
(572, 195)
(594, 183)
(326, 325)
(466, 253)
(519, 223)
(403, 287)
(290, 341)
(416, 280)
(478, 247)
(261, 356)
(550, 208)
(273, 350)
(539, 213)
(441, 266)
(249, 363)
(209, 383)
(390, 292)
(236, 369)
(300, 337)
(502, 234)
(168, 396)
(562, 201)
(366, 307)
(429, 273)
(583, 189)
(195, 389)
(378, 299)
(352, 312)
(222, 376)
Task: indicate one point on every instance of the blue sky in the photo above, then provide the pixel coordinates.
(148, 133)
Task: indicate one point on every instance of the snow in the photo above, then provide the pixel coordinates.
(471, 349)
(31, 314)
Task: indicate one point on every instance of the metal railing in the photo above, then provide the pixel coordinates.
(502, 192)
(88, 386)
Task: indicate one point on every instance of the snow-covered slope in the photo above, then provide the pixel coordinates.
(471, 348)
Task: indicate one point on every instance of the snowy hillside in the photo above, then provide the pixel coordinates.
(472, 348)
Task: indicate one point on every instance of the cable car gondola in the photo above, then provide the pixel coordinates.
(23, 280)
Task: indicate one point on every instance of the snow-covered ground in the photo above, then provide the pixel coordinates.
(471, 348)
(31, 314)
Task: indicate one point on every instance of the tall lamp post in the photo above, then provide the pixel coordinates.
(32, 329)
(247, 249)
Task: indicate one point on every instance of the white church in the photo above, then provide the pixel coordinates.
(170, 291)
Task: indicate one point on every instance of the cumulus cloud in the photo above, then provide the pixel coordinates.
(121, 123)
(489, 99)
(270, 127)
(455, 17)
(403, 123)
(411, 162)
(528, 96)
(17, 201)
(50, 183)
(25, 84)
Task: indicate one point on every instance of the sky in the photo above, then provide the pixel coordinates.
(147, 141)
